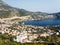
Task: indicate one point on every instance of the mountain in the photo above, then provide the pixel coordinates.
(7, 11)
(57, 15)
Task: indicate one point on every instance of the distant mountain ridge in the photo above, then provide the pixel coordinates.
(57, 15)
(7, 11)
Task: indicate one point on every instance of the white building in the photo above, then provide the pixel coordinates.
(44, 34)
(21, 37)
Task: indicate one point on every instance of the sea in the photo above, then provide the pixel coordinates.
(44, 22)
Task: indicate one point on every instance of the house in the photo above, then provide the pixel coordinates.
(44, 34)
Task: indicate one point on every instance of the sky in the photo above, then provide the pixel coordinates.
(49, 6)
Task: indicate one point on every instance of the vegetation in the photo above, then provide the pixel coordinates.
(6, 39)
(4, 14)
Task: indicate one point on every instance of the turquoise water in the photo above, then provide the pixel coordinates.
(46, 22)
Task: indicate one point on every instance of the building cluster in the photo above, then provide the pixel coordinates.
(25, 33)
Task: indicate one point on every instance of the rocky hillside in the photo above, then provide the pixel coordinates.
(7, 11)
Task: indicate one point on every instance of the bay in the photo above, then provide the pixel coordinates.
(45, 22)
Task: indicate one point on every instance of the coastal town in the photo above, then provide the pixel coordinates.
(21, 26)
(26, 33)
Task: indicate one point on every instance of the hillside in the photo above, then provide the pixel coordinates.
(7, 11)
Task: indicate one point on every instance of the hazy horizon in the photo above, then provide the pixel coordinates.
(49, 6)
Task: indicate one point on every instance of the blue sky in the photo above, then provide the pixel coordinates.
(49, 6)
